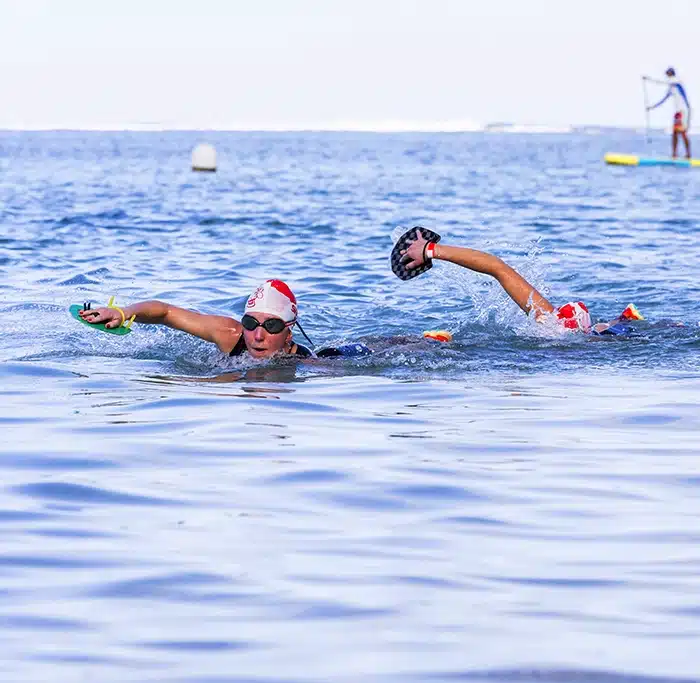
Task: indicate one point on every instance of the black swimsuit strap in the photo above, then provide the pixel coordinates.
(240, 347)
(303, 352)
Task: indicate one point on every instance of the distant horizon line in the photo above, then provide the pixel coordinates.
(340, 127)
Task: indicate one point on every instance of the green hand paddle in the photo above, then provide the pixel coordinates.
(120, 331)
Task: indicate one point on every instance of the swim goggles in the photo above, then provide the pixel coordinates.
(271, 325)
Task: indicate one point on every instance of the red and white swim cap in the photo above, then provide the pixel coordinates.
(274, 298)
(575, 316)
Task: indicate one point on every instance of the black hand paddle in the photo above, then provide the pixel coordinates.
(404, 242)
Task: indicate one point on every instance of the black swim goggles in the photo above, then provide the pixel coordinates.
(271, 325)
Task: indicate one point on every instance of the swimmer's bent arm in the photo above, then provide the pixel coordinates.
(515, 285)
(218, 329)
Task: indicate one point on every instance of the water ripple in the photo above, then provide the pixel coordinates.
(518, 505)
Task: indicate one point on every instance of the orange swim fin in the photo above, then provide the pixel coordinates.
(631, 313)
(438, 335)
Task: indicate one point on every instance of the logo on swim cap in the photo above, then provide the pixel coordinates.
(274, 298)
(575, 316)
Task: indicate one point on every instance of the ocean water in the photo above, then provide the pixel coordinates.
(518, 505)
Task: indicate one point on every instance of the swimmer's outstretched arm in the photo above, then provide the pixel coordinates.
(218, 329)
(515, 285)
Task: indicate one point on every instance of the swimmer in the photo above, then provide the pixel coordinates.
(573, 315)
(264, 330)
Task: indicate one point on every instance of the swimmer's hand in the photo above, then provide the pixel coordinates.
(414, 256)
(110, 316)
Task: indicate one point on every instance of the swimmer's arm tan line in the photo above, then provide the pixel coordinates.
(515, 285)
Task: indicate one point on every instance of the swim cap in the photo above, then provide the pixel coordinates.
(575, 316)
(274, 298)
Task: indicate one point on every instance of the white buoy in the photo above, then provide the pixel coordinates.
(204, 158)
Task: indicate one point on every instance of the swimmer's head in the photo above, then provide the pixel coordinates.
(575, 316)
(670, 72)
(270, 312)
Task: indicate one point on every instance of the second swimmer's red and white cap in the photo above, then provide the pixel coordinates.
(575, 316)
(274, 298)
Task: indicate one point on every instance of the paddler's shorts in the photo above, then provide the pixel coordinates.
(679, 123)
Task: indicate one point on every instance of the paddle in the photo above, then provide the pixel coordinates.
(119, 331)
(404, 242)
(646, 110)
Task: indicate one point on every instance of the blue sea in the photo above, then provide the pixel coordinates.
(518, 505)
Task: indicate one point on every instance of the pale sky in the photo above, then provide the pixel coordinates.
(339, 63)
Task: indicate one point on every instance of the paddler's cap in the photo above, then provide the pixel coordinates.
(274, 298)
(670, 71)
